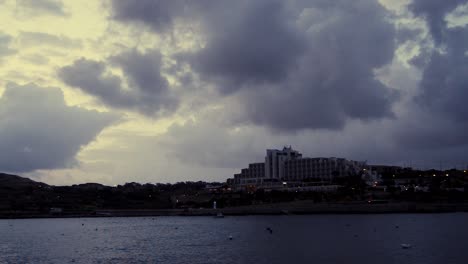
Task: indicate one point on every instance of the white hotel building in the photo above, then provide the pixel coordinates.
(289, 166)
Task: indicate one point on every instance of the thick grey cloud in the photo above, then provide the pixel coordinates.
(159, 15)
(209, 144)
(39, 38)
(259, 45)
(143, 70)
(293, 65)
(148, 90)
(5, 49)
(36, 59)
(407, 34)
(91, 77)
(334, 79)
(324, 79)
(445, 79)
(41, 7)
(434, 12)
(432, 132)
(39, 131)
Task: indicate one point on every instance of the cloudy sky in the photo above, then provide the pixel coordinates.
(117, 91)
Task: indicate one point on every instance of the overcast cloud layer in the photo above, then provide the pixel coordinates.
(147, 90)
(38, 131)
(5, 50)
(205, 86)
(41, 7)
(288, 61)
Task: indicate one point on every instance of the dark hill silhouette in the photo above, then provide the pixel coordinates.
(20, 194)
(17, 182)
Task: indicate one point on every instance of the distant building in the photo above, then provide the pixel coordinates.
(324, 169)
(253, 175)
(288, 165)
(275, 161)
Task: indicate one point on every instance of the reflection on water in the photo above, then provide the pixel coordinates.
(435, 238)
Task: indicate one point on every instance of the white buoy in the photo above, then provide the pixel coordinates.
(405, 246)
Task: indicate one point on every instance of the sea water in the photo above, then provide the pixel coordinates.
(360, 239)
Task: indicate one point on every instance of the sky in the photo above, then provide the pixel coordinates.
(118, 91)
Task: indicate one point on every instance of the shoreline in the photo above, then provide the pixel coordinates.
(295, 208)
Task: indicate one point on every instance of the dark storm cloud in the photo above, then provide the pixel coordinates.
(432, 132)
(292, 65)
(256, 44)
(333, 80)
(143, 70)
(445, 78)
(148, 93)
(39, 131)
(259, 45)
(442, 89)
(445, 81)
(297, 65)
(159, 15)
(90, 76)
(40, 7)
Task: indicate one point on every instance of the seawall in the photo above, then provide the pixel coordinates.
(300, 207)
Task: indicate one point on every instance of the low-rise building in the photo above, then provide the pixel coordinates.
(288, 166)
(325, 169)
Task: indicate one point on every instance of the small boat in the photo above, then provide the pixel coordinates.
(219, 215)
(405, 246)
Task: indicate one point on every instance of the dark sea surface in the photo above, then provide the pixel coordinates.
(435, 238)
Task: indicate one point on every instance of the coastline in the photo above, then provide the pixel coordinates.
(294, 208)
